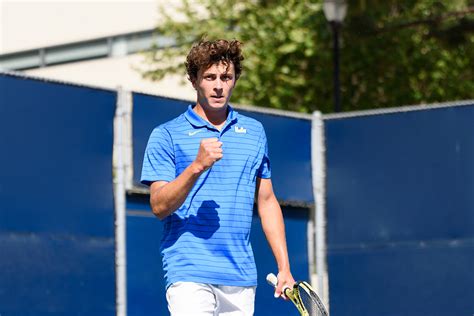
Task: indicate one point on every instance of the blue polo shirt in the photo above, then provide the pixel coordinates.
(207, 240)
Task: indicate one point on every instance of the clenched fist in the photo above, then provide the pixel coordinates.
(210, 151)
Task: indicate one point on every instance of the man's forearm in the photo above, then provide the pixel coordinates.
(274, 229)
(166, 199)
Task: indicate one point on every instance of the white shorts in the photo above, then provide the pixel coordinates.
(198, 299)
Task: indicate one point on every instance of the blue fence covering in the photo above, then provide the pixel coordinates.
(289, 146)
(289, 142)
(400, 206)
(400, 213)
(56, 199)
(149, 112)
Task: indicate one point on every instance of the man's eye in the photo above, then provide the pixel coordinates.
(226, 78)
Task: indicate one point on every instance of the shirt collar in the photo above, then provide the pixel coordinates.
(198, 121)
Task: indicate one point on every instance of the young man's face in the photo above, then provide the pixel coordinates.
(214, 86)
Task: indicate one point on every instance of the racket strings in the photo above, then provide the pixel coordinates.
(311, 301)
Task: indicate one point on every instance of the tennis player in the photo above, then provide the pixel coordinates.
(205, 169)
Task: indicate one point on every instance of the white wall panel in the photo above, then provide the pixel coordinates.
(113, 72)
(34, 24)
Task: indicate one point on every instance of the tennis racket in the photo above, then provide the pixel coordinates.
(303, 296)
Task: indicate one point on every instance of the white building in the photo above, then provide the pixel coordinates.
(89, 42)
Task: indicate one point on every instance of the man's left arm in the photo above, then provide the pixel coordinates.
(274, 228)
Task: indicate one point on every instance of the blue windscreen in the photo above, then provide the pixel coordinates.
(289, 146)
(149, 112)
(400, 213)
(56, 199)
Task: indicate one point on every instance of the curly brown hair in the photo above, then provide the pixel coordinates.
(207, 53)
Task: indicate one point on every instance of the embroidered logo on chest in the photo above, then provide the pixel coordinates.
(240, 130)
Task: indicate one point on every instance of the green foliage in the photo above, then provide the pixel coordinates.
(392, 52)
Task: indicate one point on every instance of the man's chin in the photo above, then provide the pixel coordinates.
(218, 104)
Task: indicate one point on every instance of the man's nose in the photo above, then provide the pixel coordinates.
(219, 84)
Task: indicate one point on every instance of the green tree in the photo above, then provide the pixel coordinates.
(392, 52)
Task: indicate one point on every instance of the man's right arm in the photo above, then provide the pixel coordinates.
(167, 197)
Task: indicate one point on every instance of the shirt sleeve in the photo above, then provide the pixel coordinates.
(159, 160)
(264, 171)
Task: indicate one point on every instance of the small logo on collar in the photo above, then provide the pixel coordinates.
(240, 130)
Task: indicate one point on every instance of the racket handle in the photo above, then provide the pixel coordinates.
(272, 279)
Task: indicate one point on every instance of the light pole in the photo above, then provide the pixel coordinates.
(335, 12)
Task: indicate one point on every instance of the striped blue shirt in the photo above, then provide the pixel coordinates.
(207, 240)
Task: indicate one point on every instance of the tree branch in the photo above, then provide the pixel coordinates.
(432, 20)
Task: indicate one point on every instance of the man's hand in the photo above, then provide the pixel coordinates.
(210, 151)
(285, 280)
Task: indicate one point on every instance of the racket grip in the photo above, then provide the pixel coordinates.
(272, 279)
